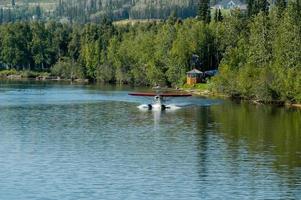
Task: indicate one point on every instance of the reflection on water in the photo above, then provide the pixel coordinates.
(90, 142)
(264, 130)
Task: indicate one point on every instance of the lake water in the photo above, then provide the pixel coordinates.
(60, 141)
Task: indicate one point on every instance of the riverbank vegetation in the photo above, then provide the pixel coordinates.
(144, 54)
(258, 53)
(24, 74)
(265, 62)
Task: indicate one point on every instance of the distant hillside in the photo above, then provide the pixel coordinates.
(6, 2)
(125, 9)
(47, 5)
(94, 10)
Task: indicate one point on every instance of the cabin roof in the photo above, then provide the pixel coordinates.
(230, 4)
(194, 71)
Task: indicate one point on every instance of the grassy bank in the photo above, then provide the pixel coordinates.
(207, 90)
(23, 74)
(13, 74)
(201, 89)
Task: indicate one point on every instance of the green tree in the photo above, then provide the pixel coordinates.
(65, 68)
(256, 6)
(74, 44)
(1, 16)
(38, 12)
(287, 62)
(15, 43)
(281, 6)
(204, 11)
(218, 17)
(260, 49)
(40, 46)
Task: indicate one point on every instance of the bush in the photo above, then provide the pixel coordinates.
(66, 69)
(5, 73)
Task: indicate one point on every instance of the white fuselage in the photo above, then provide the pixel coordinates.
(158, 103)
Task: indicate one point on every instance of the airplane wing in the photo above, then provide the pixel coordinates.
(146, 94)
(143, 94)
(175, 95)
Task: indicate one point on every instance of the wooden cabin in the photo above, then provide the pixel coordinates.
(194, 76)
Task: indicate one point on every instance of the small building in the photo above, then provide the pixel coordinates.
(194, 76)
(210, 73)
(230, 4)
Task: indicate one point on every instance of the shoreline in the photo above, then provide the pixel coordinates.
(196, 92)
(41, 78)
(209, 94)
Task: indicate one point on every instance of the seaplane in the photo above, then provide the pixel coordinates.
(159, 99)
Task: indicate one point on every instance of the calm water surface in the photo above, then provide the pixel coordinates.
(91, 142)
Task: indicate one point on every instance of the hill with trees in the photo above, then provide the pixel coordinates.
(83, 11)
(127, 9)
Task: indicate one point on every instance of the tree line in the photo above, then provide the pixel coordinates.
(263, 59)
(144, 53)
(92, 10)
(84, 11)
(258, 53)
(22, 13)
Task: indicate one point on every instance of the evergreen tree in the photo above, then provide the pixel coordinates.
(250, 7)
(15, 52)
(10, 18)
(260, 42)
(172, 19)
(204, 11)
(256, 6)
(263, 6)
(41, 50)
(281, 5)
(38, 12)
(1, 16)
(59, 8)
(74, 45)
(218, 17)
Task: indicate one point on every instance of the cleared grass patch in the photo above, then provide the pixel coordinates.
(198, 86)
(135, 21)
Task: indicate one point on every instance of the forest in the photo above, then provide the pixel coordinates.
(257, 53)
(124, 9)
